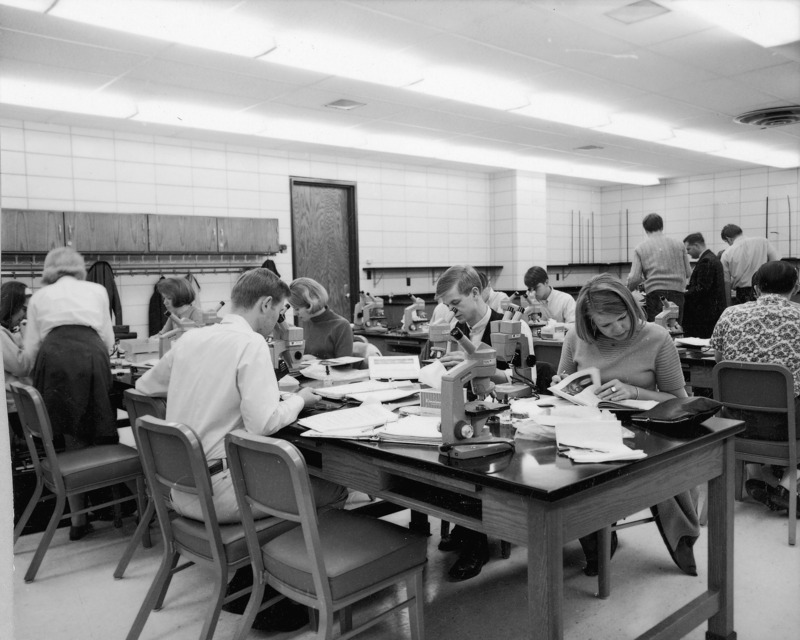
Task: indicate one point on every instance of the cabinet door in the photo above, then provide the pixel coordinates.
(106, 232)
(248, 235)
(31, 231)
(182, 234)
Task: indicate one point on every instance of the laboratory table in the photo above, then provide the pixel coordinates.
(697, 367)
(395, 342)
(540, 500)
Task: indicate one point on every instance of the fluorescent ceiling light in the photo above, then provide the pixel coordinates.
(181, 114)
(31, 5)
(205, 24)
(635, 126)
(695, 141)
(769, 23)
(453, 83)
(338, 57)
(559, 107)
(45, 95)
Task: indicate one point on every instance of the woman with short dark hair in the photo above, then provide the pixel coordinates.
(178, 297)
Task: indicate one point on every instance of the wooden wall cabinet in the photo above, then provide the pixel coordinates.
(106, 232)
(182, 234)
(29, 231)
(248, 235)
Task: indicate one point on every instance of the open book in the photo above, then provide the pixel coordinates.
(579, 388)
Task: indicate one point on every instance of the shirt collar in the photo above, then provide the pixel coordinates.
(476, 330)
(237, 321)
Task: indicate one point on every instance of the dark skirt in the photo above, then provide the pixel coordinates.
(73, 374)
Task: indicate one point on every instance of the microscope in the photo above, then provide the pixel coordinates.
(668, 318)
(372, 312)
(512, 347)
(464, 431)
(414, 316)
(439, 337)
(286, 348)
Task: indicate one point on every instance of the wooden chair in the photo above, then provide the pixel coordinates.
(138, 404)
(333, 559)
(69, 473)
(767, 389)
(173, 459)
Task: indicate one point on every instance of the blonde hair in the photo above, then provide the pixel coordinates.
(63, 261)
(306, 292)
(605, 294)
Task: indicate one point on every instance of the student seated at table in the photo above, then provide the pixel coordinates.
(553, 303)
(221, 379)
(460, 289)
(178, 297)
(637, 361)
(327, 334)
(776, 321)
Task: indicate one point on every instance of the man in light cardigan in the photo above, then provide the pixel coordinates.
(662, 264)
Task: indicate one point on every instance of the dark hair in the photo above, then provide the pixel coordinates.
(695, 238)
(776, 276)
(652, 222)
(731, 231)
(258, 283)
(178, 290)
(12, 299)
(534, 276)
(605, 294)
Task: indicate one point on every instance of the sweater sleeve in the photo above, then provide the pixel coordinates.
(343, 340)
(636, 275)
(669, 375)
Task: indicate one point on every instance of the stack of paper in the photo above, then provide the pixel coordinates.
(384, 395)
(412, 430)
(339, 392)
(358, 422)
(594, 442)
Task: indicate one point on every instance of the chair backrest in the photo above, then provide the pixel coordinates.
(752, 386)
(138, 404)
(37, 428)
(271, 474)
(173, 458)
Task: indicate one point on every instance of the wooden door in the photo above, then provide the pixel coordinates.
(106, 232)
(31, 231)
(325, 238)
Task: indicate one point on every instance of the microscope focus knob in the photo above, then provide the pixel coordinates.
(463, 430)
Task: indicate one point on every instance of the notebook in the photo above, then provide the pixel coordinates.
(394, 367)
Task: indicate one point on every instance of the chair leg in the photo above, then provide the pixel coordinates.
(604, 563)
(155, 594)
(345, 619)
(250, 612)
(142, 505)
(142, 529)
(26, 515)
(792, 505)
(116, 494)
(415, 588)
(44, 543)
(215, 606)
(738, 480)
(325, 625)
(174, 557)
(505, 549)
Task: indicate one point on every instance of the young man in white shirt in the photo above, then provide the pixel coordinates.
(555, 304)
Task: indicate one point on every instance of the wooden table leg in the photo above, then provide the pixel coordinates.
(720, 546)
(545, 572)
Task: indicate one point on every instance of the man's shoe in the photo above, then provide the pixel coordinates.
(683, 555)
(761, 492)
(779, 497)
(284, 615)
(450, 543)
(469, 563)
(79, 531)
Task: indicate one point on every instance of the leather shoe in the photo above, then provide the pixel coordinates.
(759, 491)
(683, 555)
(779, 498)
(469, 563)
(79, 531)
(590, 545)
(450, 543)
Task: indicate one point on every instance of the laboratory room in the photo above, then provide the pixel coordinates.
(458, 319)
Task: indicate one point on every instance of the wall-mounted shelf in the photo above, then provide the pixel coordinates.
(601, 267)
(375, 273)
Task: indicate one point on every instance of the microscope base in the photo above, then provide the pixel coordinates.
(478, 448)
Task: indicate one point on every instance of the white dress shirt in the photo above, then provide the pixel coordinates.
(559, 306)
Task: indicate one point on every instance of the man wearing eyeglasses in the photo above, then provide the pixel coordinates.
(554, 304)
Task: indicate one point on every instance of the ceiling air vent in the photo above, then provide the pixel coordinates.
(775, 117)
(345, 105)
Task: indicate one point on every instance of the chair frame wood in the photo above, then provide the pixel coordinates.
(304, 513)
(36, 425)
(780, 382)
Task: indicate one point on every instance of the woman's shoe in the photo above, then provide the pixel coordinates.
(76, 532)
(590, 545)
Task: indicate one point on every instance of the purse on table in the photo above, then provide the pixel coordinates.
(678, 416)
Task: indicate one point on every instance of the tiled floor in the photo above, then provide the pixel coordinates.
(75, 596)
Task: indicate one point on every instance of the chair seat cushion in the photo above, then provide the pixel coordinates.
(192, 535)
(96, 466)
(358, 551)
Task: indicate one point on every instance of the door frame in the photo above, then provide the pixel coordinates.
(352, 228)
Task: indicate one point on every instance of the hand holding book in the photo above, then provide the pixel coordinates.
(585, 388)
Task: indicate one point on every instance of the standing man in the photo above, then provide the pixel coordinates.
(663, 265)
(555, 304)
(705, 295)
(740, 262)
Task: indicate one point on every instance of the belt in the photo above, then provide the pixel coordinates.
(217, 466)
